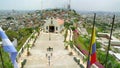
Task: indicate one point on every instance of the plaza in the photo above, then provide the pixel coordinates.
(58, 57)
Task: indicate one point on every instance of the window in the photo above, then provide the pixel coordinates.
(47, 27)
(56, 28)
(51, 22)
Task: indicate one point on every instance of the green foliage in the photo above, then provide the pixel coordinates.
(116, 65)
(80, 41)
(98, 45)
(21, 42)
(27, 46)
(66, 25)
(112, 62)
(12, 34)
(25, 31)
(100, 57)
(85, 59)
(89, 30)
(21, 35)
(32, 36)
(100, 29)
(73, 28)
(6, 59)
(37, 29)
(76, 20)
(117, 25)
(65, 35)
(9, 18)
(71, 43)
(103, 27)
(84, 41)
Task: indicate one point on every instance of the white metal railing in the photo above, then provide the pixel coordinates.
(78, 51)
(22, 48)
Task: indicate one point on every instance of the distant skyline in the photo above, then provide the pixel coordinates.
(83, 5)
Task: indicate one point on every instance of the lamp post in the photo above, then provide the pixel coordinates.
(49, 49)
(49, 36)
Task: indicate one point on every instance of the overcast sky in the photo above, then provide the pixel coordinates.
(84, 5)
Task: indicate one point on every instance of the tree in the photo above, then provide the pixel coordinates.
(12, 34)
(66, 25)
(65, 35)
(98, 45)
(100, 57)
(38, 30)
(71, 43)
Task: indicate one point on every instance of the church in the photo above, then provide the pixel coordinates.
(53, 25)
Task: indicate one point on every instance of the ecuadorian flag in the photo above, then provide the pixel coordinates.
(93, 48)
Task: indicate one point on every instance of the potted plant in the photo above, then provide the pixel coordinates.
(28, 52)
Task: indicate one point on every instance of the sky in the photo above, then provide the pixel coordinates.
(83, 5)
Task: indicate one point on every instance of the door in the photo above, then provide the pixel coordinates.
(51, 28)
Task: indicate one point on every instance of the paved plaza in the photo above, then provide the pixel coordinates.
(56, 58)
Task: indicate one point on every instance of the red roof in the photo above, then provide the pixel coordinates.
(60, 21)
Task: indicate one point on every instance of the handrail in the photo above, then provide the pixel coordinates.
(79, 51)
(22, 48)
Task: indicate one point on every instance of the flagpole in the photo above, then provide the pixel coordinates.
(109, 42)
(91, 40)
(1, 59)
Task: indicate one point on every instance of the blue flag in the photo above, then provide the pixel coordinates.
(8, 47)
